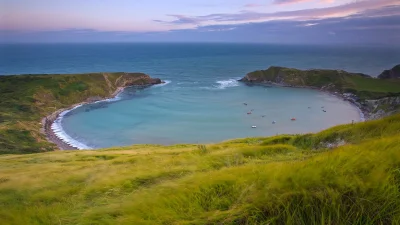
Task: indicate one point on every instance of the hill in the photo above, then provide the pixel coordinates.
(391, 74)
(375, 97)
(26, 99)
(348, 174)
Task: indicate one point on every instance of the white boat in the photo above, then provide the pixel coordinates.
(253, 126)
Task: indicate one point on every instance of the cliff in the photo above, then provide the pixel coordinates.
(358, 88)
(393, 73)
(26, 99)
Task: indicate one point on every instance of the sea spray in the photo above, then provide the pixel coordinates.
(227, 83)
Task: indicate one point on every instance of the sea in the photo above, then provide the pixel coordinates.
(201, 100)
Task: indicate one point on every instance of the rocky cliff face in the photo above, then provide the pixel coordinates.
(382, 107)
(391, 74)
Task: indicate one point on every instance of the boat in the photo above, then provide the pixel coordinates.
(248, 113)
(274, 122)
(253, 126)
(293, 119)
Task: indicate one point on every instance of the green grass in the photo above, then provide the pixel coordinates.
(286, 179)
(25, 99)
(362, 85)
(348, 174)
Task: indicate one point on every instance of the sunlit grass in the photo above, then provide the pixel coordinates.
(287, 179)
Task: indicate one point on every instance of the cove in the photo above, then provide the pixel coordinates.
(203, 112)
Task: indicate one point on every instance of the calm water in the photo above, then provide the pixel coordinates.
(202, 102)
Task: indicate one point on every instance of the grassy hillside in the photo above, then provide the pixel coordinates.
(25, 99)
(348, 174)
(362, 85)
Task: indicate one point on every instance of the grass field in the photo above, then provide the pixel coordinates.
(349, 174)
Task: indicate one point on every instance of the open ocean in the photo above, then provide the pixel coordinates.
(201, 102)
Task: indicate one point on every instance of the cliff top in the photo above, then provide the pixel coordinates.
(362, 85)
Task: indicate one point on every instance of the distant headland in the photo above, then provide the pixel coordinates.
(375, 97)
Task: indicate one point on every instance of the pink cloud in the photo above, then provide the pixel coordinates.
(253, 5)
(282, 2)
(304, 14)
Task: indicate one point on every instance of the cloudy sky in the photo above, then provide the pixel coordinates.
(261, 21)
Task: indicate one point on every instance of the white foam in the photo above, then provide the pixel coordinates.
(362, 116)
(60, 133)
(163, 84)
(227, 83)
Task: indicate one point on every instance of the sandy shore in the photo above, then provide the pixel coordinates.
(49, 120)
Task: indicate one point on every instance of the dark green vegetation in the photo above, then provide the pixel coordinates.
(25, 99)
(365, 87)
(349, 174)
(390, 74)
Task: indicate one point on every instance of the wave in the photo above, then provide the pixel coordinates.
(163, 84)
(362, 116)
(227, 83)
(60, 133)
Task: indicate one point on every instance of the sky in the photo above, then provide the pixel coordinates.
(253, 21)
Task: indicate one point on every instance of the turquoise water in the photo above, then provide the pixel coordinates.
(184, 113)
(202, 102)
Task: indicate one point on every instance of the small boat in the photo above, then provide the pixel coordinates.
(244, 103)
(293, 119)
(274, 122)
(263, 116)
(248, 113)
(253, 126)
(324, 110)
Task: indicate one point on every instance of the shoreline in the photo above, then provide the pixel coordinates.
(362, 111)
(49, 120)
(52, 137)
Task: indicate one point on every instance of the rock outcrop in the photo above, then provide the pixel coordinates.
(130, 79)
(379, 108)
(393, 73)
